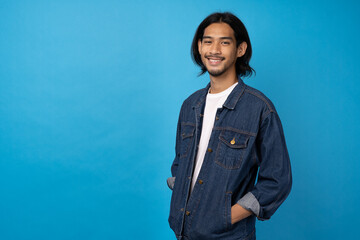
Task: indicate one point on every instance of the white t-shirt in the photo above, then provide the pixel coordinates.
(213, 102)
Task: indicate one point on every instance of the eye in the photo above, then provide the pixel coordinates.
(225, 43)
(207, 41)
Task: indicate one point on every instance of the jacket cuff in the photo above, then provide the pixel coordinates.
(170, 182)
(250, 203)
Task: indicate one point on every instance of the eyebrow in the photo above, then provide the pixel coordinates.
(229, 38)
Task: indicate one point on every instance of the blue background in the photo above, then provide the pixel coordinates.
(90, 93)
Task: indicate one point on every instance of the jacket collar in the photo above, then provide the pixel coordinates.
(230, 101)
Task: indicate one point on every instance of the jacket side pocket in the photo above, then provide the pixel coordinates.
(228, 206)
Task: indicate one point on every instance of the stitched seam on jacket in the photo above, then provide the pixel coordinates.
(235, 130)
(262, 98)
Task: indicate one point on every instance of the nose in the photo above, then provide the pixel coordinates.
(215, 48)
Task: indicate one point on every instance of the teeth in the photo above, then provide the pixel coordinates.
(214, 61)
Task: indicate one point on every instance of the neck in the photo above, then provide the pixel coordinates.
(222, 82)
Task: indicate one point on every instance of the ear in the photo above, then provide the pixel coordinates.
(241, 50)
(199, 46)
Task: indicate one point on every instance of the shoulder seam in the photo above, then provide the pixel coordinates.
(266, 114)
(262, 98)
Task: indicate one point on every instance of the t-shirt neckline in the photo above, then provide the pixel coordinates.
(220, 94)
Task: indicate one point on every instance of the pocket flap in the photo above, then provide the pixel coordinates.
(187, 131)
(234, 139)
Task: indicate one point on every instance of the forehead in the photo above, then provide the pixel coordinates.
(219, 30)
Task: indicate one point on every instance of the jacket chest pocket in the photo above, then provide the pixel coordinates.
(231, 149)
(187, 137)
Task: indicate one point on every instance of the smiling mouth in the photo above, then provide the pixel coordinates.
(214, 61)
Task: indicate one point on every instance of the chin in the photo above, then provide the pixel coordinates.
(215, 73)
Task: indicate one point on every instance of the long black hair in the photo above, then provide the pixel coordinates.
(242, 66)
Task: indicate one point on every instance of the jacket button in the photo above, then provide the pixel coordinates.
(201, 182)
(209, 150)
(187, 213)
(182, 209)
(216, 118)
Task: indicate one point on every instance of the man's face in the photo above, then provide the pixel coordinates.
(218, 49)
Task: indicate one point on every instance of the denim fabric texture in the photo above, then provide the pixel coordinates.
(246, 162)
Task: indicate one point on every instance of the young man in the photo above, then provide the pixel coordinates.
(228, 136)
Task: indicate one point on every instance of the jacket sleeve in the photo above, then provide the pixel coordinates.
(274, 179)
(175, 164)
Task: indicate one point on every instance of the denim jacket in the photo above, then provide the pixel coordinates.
(246, 162)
